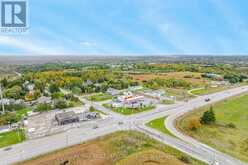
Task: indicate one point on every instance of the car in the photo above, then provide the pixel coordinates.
(120, 123)
(7, 149)
(95, 126)
(207, 99)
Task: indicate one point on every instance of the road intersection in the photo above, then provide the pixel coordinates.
(117, 122)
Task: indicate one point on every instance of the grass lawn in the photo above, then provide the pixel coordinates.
(209, 90)
(12, 137)
(233, 141)
(119, 148)
(180, 94)
(158, 124)
(21, 113)
(99, 97)
(130, 111)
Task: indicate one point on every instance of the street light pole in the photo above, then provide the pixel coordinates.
(1, 95)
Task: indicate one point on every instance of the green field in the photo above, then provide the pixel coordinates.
(12, 137)
(158, 124)
(209, 90)
(99, 97)
(230, 133)
(130, 111)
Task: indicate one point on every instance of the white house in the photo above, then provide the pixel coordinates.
(113, 92)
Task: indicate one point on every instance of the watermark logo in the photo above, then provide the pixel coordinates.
(13, 16)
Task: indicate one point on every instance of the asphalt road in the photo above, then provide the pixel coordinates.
(32, 148)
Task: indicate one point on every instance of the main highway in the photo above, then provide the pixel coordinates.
(116, 122)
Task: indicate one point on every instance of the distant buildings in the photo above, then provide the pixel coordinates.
(29, 86)
(44, 100)
(113, 92)
(213, 76)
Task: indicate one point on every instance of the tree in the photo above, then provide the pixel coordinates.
(43, 107)
(92, 109)
(14, 92)
(61, 104)
(4, 82)
(53, 88)
(208, 117)
(194, 124)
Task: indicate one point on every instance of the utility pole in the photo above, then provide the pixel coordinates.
(1, 95)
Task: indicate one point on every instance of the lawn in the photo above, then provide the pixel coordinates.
(158, 124)
(120, 148)
(179, 94)
(99, 97)
(209, 90)
(21, 113)
(130, 111)
(12, 137)
(230, 133)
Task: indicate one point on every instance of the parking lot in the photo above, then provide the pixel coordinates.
(45, 124)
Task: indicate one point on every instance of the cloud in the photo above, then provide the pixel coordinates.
(29, 46)
(87, 44)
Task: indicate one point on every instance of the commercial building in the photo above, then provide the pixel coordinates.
(66, 118)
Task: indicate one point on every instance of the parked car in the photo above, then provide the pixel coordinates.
(207, 99)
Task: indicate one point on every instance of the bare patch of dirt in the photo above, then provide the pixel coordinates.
(91, 154)
(150, 157)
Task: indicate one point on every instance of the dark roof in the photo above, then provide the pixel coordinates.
(66, 115)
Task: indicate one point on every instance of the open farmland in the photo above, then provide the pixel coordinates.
(191, 77)
(118, 148)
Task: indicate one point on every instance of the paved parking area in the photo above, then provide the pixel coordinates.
(44, 124)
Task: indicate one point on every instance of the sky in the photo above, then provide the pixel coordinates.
(132, 27)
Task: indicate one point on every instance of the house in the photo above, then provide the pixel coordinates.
(88, 82)
(5, 101)
(66, 118)
(29, 86)
(113, 92)
(213, 76)
(135, 88)
(44, 100)
(155, 94)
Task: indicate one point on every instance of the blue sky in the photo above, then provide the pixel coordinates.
(132, 27)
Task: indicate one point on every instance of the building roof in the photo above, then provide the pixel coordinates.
(66, 115)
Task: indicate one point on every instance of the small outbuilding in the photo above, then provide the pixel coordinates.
(66, 118)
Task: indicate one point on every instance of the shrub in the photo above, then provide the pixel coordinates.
(185, 159)
(61, 104)
(231, 125)
(43, 107)
(54, 88)
(194, 124)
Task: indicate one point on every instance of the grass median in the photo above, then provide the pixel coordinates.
(159, 124)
